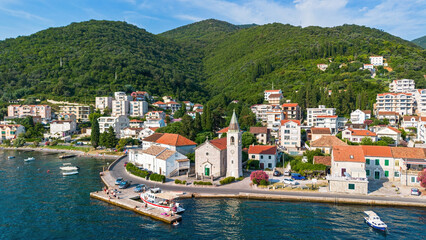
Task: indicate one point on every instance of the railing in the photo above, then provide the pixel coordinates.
(340, 178)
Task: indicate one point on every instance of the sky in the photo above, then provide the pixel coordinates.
(402, 18)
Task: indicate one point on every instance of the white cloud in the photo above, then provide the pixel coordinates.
(23, 14)
(188, 17)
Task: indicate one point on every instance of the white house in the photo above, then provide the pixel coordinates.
(359, 116)
(322, 66)
(135, 123)
(267, 93)
(420, 101)
(379, 163)
(376, 60)
(130, 132)
(402, 86)
(391, 132)
(356, 135)
(121, 96)
(117, 123)
(103, 102)
(393, 117)
(160, 160)
(160, 104)
(409, 122)
(312, 113)
(62, 128)
(290, 134)
(154, 123)
(266, 155)
(146, 132)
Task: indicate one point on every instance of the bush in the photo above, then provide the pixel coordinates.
(202, 183)
(300, 167)
(19, 142)
(268, 169)
(157, 177)
(7, 142)
(240, 178)
(258, 176)
(253, 164)
(136, 171)
(227, 180)
(177, 181)
(263, 182)
(36, 143)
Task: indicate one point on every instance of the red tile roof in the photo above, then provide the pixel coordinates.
(275, 95)
(219, 143)
(262, 149)
(361, 132)
(377, 151)
(290, 105)
(366, 111)
(320, 131)
(348, 154)
(404, 152)
(334, 116)
(394, 94)
(136, 120)
(408, 118)
(154, 128)
(286, 121)
(159, 103)
(328, 141)
(388, 113)
(272, 90)
(224, 130)
(325, 160)
(174, 140)
(394, 129)
(257, 130)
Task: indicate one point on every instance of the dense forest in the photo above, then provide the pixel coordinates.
(421, 41)
(210, 62)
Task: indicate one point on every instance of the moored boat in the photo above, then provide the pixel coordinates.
(374, 221)
(69, 167)
(10, 157)
(156, 198)
(67, 173)
(29, 159)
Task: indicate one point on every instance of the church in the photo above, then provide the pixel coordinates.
(221, 157)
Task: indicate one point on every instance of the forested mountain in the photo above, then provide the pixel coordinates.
(208, 60)
(421, 41)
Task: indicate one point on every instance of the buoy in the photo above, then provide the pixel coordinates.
(48, 171)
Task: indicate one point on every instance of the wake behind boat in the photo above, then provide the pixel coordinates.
(69, 167)
(374, 221)
(156, 198)
(29, 159)
(67, 173)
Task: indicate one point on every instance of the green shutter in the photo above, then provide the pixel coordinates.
(351, 186)
(386, 162)
(367, 161)
(377, 162)
(367, 172)
(386, 173)
(396, 174)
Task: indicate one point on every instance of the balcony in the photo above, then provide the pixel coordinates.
(339, 178)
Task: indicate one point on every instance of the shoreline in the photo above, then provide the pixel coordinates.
(78, 153)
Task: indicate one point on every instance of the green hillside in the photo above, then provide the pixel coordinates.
(96, 58)
(421, 41)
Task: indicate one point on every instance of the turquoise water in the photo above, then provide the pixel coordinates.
(35, 204)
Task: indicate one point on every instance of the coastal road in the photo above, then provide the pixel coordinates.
(118, 170)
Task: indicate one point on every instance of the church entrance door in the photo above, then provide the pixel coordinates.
(206, 171)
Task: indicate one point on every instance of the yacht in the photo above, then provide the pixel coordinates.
(156, 198)
(374, 221)
(68, 167)
(29, 159)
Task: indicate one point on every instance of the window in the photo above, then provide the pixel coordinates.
(261, 157)
(232, 140)
(270, 157)
(351, 186)
(413, 179)
(269, 165)
(367, 172)
(397, 163)
(377, 162)
(252, 156)
(386, 162)
(367, 161)
(386, 173)
(396, 174)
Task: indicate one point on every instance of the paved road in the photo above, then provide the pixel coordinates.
(119, 171)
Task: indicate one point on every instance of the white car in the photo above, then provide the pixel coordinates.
(290, 181)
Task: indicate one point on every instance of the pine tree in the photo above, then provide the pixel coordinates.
(95, 135)
(111, 140)
(197, 123)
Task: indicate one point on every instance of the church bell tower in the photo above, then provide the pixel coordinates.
(233, 152)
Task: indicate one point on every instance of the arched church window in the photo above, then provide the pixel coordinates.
(232, 140)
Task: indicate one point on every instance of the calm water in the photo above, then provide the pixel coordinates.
(35, 204)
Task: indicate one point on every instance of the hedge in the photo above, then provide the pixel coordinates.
(202, 183)
(136, 171)
(177, 181)
(227, 180)
(157, 177)
(253, 164)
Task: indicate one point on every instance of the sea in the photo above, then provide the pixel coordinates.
(37, 202)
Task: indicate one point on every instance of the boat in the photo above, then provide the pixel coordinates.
(374, 221)
(67, 173)
(10, 157)
(68, 167)
(29, 159)
(156, 198)
(67, 156)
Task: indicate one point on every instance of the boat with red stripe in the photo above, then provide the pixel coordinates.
(166, 201)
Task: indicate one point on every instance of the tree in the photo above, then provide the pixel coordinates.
(247, 139)
(95, 135)
(311, 153)
(387, 140)
(201, 137)
(367, 141)
(187, 129)
(197, 123)
(111, 140)
(95, 115)
(422, 178)
(7, 142)
(258, 176)
(19, 142)
(107, 111)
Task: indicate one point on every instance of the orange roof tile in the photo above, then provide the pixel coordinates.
(224, 130)
(275, 95)
(388, 113)
(219, 143)
(136, 120)
(377, 151)
(328, 141)
(325, 160)
(290, 105)
(394, 129)
(273, 90)
(408, 118)
(361, 132)
(404, 152)
(159, 103)
(286, 121)
(320, 131)
(348, 154)
(334, 116)
(394, 94)
(257, 130)
(262, 149)
(174, 140)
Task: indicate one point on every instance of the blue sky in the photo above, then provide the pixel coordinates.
(403, 18)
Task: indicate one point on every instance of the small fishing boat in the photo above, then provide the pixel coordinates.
(67, 173)
(374, 221)
(10, 157)
(156, 198)
(29, 159)
(68, 167)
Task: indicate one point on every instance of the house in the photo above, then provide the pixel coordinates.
(348, 173)
(312, 113)
(122, 96)
(376, 60)
(173, 106)
(356, 135)
(140, 96)
(317, 133)
(393, 117)
(409, 122)
(402, 103)
(160, 104)
(160, 160)
(135, 123)
(290, 134)
(266, 155)
(292, 111)
(81, 112)
(268, 93)
(171, 141)
(356, 126)
(358, 116)
(197, 107)
(222, 131)
(391, 132)
(10, 131)
(103, 103)
(420, 101)
(155, 115)
(322, 66)
(154, 123)
(402, 86)
(411, 162)
(20, 111)
(379, 163)
(188, 105)
(326, 144)
(368, 66)
(117, 123)
(138, 108)
(216, 157)
(146, 132)
(168, 99)
(62, 128)
(324, 160)
(261, 134)
(120, 108)
(275, 98)
(130, 132)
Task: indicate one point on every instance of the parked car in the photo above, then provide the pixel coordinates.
(287, 173)
(140, 188)
(276, 173)
(415, 192)
(289, 181)
(125, 164)
(118, 181)
(124, 184)
(297, 176)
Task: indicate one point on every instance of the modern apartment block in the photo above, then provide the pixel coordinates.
(290, 134)
(121, 96)
(402, 86)
(268, 93)
(81, 112)
(18, 111)
(292, 111)
(313, 113)
(138, 108)
(120, 108)
(402, 103)
(420, 101)
(117, 123)
(103, 102)
(376, 60)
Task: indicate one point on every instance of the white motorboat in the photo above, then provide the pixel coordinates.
(68, 167)
(10, 157)
(374, 221)
(156, 198)
(29, 159)
(67, 173)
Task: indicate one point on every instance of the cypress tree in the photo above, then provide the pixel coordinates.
(94, 137)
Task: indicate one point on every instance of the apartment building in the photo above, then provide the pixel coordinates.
(292, 111)
(356, 135)
(120, 108)
(290, 134)
(330, 122)
(121, 96)
(116, 122)
(138, 108)
(81, 112)
(19, 111)
(275, 98)
(402, 103)
(393, 117)
(268, 93)
(140, 96)
(420, 101)
(261, 110)
(10, 131)
(155, 115)
(62, 128)
(376, 60)
(402, 86)
(359, 116)
(103, 102)
(312, 113)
